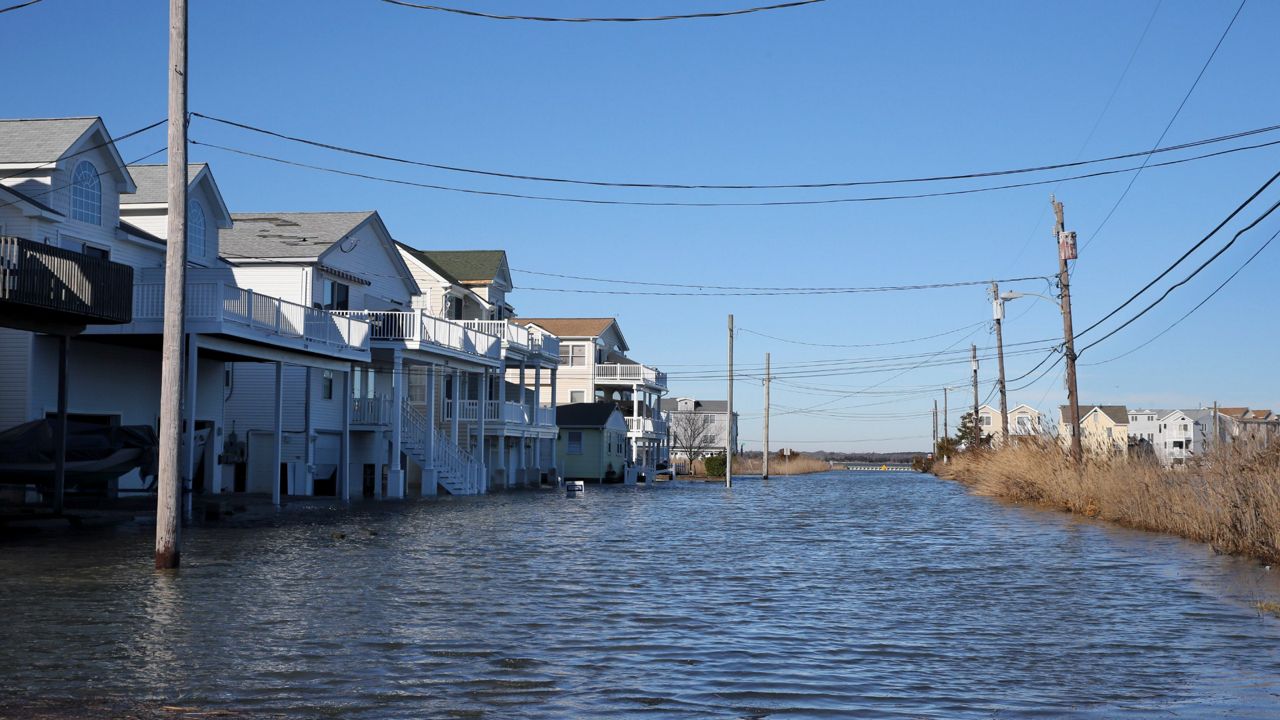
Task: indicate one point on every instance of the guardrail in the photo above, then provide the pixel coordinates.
(219, 301)
(371, 411)
(621, 372)
(420, 326)
(504, 330)
(50, 278)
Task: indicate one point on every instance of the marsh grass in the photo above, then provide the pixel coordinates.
(796, 465)
(1229, 498)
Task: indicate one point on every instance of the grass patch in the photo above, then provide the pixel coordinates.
(1266, 607)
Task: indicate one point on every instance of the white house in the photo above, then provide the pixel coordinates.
(70, 189)
(594, 367)
(519, 419)
(691, 416)
(1183, 434)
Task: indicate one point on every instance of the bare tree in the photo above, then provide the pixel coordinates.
(691, 434)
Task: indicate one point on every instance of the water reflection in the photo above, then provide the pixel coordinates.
(840, 596)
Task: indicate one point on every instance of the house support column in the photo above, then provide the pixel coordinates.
(308, 441)
(429, 442)
(637, 428)
(455, 406)
(553, 475)
(481, 412)
(60, 428)
(501, 476)
(277, 438)
(190, 384)
(344, 448)
(395, 473)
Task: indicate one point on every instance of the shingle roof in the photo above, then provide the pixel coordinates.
(1119, 414)
(469, 265)
(426, 259)
(584, 414)
(40, 140)
(570, 327)
(287, 235)
(1234, 412)
(153, 182)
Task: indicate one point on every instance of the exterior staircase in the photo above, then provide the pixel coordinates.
(456, 470)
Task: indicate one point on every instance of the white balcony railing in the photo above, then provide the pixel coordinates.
(647, 425)
(548, 345)
(546, 415)
(220, 301)
(626, 373)
(504, 330)
(495, 411)
(422, 327)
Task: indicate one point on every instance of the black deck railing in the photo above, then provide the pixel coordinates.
(39, 277)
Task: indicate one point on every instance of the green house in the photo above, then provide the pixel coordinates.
(592, 445)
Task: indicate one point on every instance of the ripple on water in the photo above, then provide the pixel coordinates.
(852, 595)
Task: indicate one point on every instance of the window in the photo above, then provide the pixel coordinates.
(577, 396)
(95, 251)
(357, 375)
(334, 296)
(86, 193)
(575, 442)
(326, 385)
(573, 354)
(195, 229)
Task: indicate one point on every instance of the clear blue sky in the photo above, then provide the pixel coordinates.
(837, 91)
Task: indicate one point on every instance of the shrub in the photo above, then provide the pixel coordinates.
(714, 465)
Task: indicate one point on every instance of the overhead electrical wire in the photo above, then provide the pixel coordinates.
(1186, 279)
(653, 18)
(873, 288)
(1198, 305)
(710, 186)
(19, 6)
(91, 148)
(670, 203)
(1184, 255)
(1176, 113)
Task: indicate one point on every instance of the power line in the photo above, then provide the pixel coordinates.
(1160, 139)
(863, 345)
(778, 292)
(709, 186)
(91, 148)
(54, 188)
(618, 281)
(1185, 255)
(655, 18)
(1187, 279)
(1198, 305)
(19, 6)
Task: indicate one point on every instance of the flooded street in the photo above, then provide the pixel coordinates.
(871, 595)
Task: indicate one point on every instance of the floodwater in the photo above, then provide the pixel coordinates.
(846, 595)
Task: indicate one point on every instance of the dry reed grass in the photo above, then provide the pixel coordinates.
(1230, 498)
(797, 465)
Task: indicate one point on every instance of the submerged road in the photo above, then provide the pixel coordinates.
(825, 596)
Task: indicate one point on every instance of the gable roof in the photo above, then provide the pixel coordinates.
(585, 414)
(1234, 412)
(1119, 414)
(425, 258)
(470, 266)
(24, 198)
(153, 182)
(40, 140)
(571, 327)
(303, 236)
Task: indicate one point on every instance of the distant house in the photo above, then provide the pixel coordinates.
(1104, 428)
(710, 418)
(1024, 421)
(592, 444)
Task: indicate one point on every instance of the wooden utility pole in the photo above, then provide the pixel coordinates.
(728, 433)
(169, 481)
(1067, 251)
(946, 410)
(935, 427)
(977, 429)
(1216, 431)
(764, 467)
(998, 311)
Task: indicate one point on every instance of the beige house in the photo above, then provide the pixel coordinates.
(594, 367)
(1105, 428)
(1024, 421)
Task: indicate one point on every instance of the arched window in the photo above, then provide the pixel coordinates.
(195, 229)
(86, 193)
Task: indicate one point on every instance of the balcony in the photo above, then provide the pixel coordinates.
(417, 327)
(509, 333)
(44, 283)
(647, 426)
(548, 345)
(628, 374)
(499, 412)
(374, 410)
